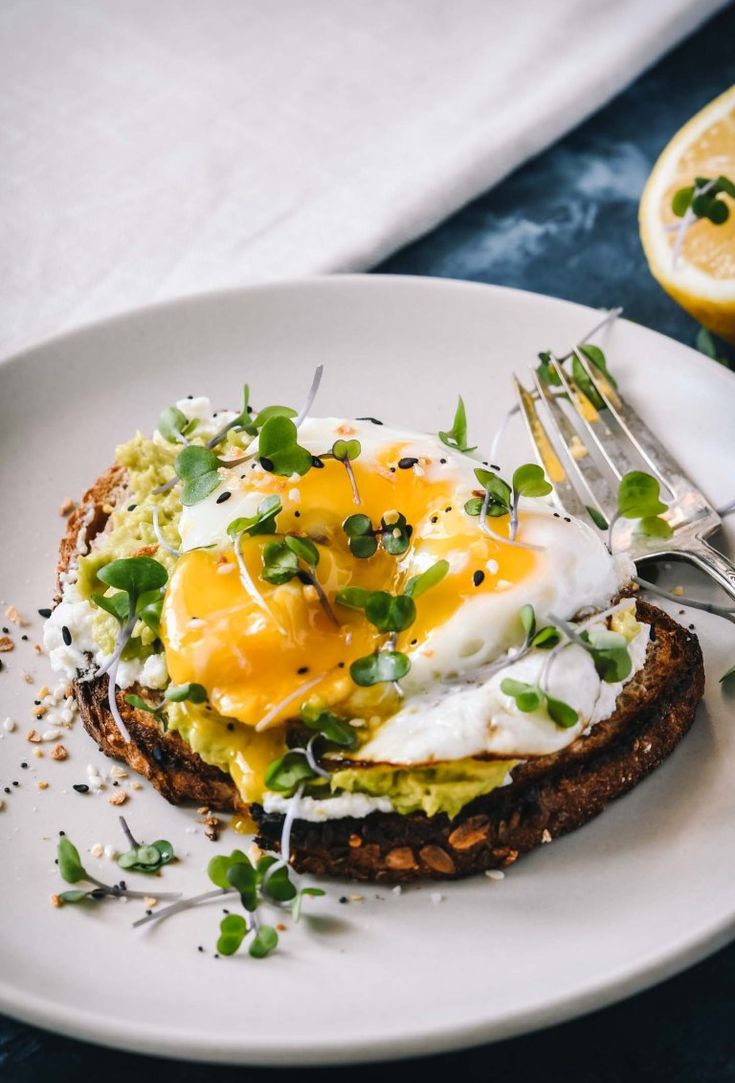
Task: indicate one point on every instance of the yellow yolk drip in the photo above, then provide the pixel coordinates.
(259, 663)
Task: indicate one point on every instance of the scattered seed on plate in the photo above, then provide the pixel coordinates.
(495, 874)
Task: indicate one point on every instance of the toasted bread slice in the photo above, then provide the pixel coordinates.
(548, 797)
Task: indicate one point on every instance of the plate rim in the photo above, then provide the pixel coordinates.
(38, 1010)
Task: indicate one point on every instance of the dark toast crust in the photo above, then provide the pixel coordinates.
(549, 796)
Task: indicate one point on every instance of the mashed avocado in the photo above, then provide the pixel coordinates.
(442, 787)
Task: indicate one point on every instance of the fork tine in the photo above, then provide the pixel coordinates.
(660, 462)
(611, 449)
(590, 484)
(545, 453)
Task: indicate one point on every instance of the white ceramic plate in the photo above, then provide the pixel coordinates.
(642, 892)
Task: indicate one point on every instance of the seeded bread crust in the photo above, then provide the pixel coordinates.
(549, 796)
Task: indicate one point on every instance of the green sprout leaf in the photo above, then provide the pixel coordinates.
(498, 490)
(395, 534)
(331, 726)
(186, 693)
(304, 549)
(279, 450)
(456, 437)
(528, 697)
(147, 859)
(346, 450)
(727, 677)
(638, 496)
(74, 896)
(136, 576)
(243, 878)
(546, 638)
(353, 597)
(198, 469)
(142, 705)
(653, 526)
(561, 713)
(597, 517)
(419, 584)
(232, 931)
(117, 605)
(286, 773)
(263, 522)
(609, 652)
(598, 360)
(280, 563)
(380, 667)
(174, 425)
(271, 411)
(528, 621)
(360, 536)
(70, 863)
(278, 887)
(389, 612)
(529, 480)
(264, 942)
(220, 865)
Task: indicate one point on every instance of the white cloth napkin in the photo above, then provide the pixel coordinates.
(154, 148)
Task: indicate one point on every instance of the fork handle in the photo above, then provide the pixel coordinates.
(717, 566)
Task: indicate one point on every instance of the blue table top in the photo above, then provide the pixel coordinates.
(564, 224)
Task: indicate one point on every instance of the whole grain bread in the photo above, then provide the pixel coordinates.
(549, 795)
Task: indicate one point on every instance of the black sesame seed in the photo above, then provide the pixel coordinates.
(81, 787)
(215, 956)
(297, 515)
(200, 948)
(442, 461)
(343, 899)
(7, 789)
(36, 703)
(494, 466)
(317, 462)
(407, 462)
(392, 469)
(15, 783)
(448, 508)
(567, 519)
(6, 631)
(24, 765)
(557, 515)
(132, 507)
(149, 912)
(250, 409)
(116, 783)
(414, 642)
(45, 613)
(66, 635)
(61, 834)
(24, 638)
(340, 665)
(267, 464)
(231, 727)
(302, 669)
(434, 519)
(223, 496)
(190, 396)
(225, 911)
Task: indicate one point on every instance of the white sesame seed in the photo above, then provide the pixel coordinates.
(397, 890)
(51, 735)
(495, 874)
(436, 898)
(97, 850)
(223, 569)
(117, 772)
(492, 566)
(66, 716)
(110, 852)
(197, 622)
(294, 496)
(9, 725)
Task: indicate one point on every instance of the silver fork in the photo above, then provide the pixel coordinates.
(588, 452)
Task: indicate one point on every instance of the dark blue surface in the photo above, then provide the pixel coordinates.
(564, 224)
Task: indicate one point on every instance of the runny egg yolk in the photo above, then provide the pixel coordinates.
(260, 662)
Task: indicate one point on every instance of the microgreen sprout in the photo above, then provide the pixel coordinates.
(394, 534)
(501, 499)
(175, 426)
(295, 557)
(73, 872)
(139, 581)
(681, 599)
(345, 452)
(700, 201)
(639, 498)
(531, 697)
(419, 584)
(147, 858)
(198, 469)
(279, 451)
(265, 881)
(456, 437)
(380, 667)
